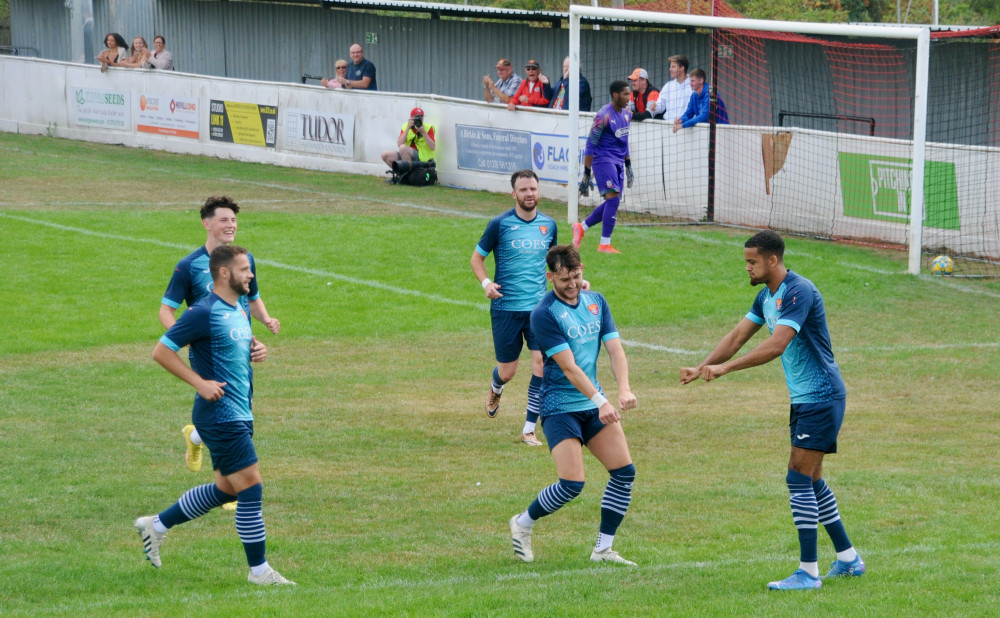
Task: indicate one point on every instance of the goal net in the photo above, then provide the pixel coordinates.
(825, 125)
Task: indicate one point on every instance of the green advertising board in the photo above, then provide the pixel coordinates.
(878, 187)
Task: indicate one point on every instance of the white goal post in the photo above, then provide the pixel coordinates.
(619, 17)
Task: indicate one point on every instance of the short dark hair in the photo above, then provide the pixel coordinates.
(218, 201)
(160, 36)
(698, 73)
(563, 256)
(767, 243)
(522, 174)
(680, 60)
(617, 86)
(223, 255)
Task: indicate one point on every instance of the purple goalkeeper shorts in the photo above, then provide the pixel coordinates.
(609, 177)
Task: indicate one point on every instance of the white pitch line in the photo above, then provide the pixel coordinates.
(482, 306)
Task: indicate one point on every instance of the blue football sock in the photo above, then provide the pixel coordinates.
(804, 513)
(534, 399)
(617, 496)
(250, 523)
(554, 497)
(193, 504)
(829, 516)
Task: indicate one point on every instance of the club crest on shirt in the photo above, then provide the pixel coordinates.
(594, 308)
(777, 304)
(544, 229)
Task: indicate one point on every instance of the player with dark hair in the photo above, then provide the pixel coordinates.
(792, 308)
(192, 281)
(518, 240)
(570, 324)
(218, 330)
(607, 151)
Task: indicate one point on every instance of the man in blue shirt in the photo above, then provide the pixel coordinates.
(607, 151)
(361, 71)
(218, 330)
(570, 324)
(700, 105)
(192, 281)
(792, 308)
(518, 239)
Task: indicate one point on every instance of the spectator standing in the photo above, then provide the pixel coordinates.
(360, 73)
(676, 93)
(116, 50)
(560, 93)
(340, 69)
(643, 96)
(161, 58)
(533, 92)
(505, 86)
(415, 142)
(700, 105)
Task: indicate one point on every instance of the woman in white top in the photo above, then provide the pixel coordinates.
(116, 52)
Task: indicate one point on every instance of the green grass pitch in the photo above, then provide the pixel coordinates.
(387, 490)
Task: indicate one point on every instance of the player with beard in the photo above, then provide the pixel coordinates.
(192, 281)
(793, 310)
(518, 239)
(218, 330)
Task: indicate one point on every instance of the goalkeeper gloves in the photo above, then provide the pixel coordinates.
(629, 176)
(585, 183)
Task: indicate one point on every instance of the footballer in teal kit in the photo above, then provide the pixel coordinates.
(192, 281)
(571, 324)
(519, 240)
(793, 310)
(218, 330)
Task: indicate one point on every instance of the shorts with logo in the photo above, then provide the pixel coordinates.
(511, 330)
(815, 426)
(609, 177)
(580, 425)
(230, 445)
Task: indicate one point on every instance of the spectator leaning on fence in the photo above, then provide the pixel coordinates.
(340, 67)
(560, 93)
(533, 91)
(505, 86)
(360, 73)
(160, 58)
(699, 106)
(643, 95)
(676, 93)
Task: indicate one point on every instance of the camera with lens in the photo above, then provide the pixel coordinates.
(418, 122)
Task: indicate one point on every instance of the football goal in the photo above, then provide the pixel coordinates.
(833, 130)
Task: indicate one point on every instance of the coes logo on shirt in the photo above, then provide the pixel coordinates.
(525, 243)
(241, 334)
(582, 330)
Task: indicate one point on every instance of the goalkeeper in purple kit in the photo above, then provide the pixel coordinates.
(607, 155)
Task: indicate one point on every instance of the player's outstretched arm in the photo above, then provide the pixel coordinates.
(210, 390)
(259, 311)
(768, 350)
(567, 362)
(619, 368)
(727, 347)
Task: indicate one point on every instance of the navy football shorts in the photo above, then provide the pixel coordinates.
(511, 330)
(815, 426)
(579, 425)
(230, 444)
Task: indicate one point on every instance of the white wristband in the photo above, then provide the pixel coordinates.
(485, 282)
(599, 399)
